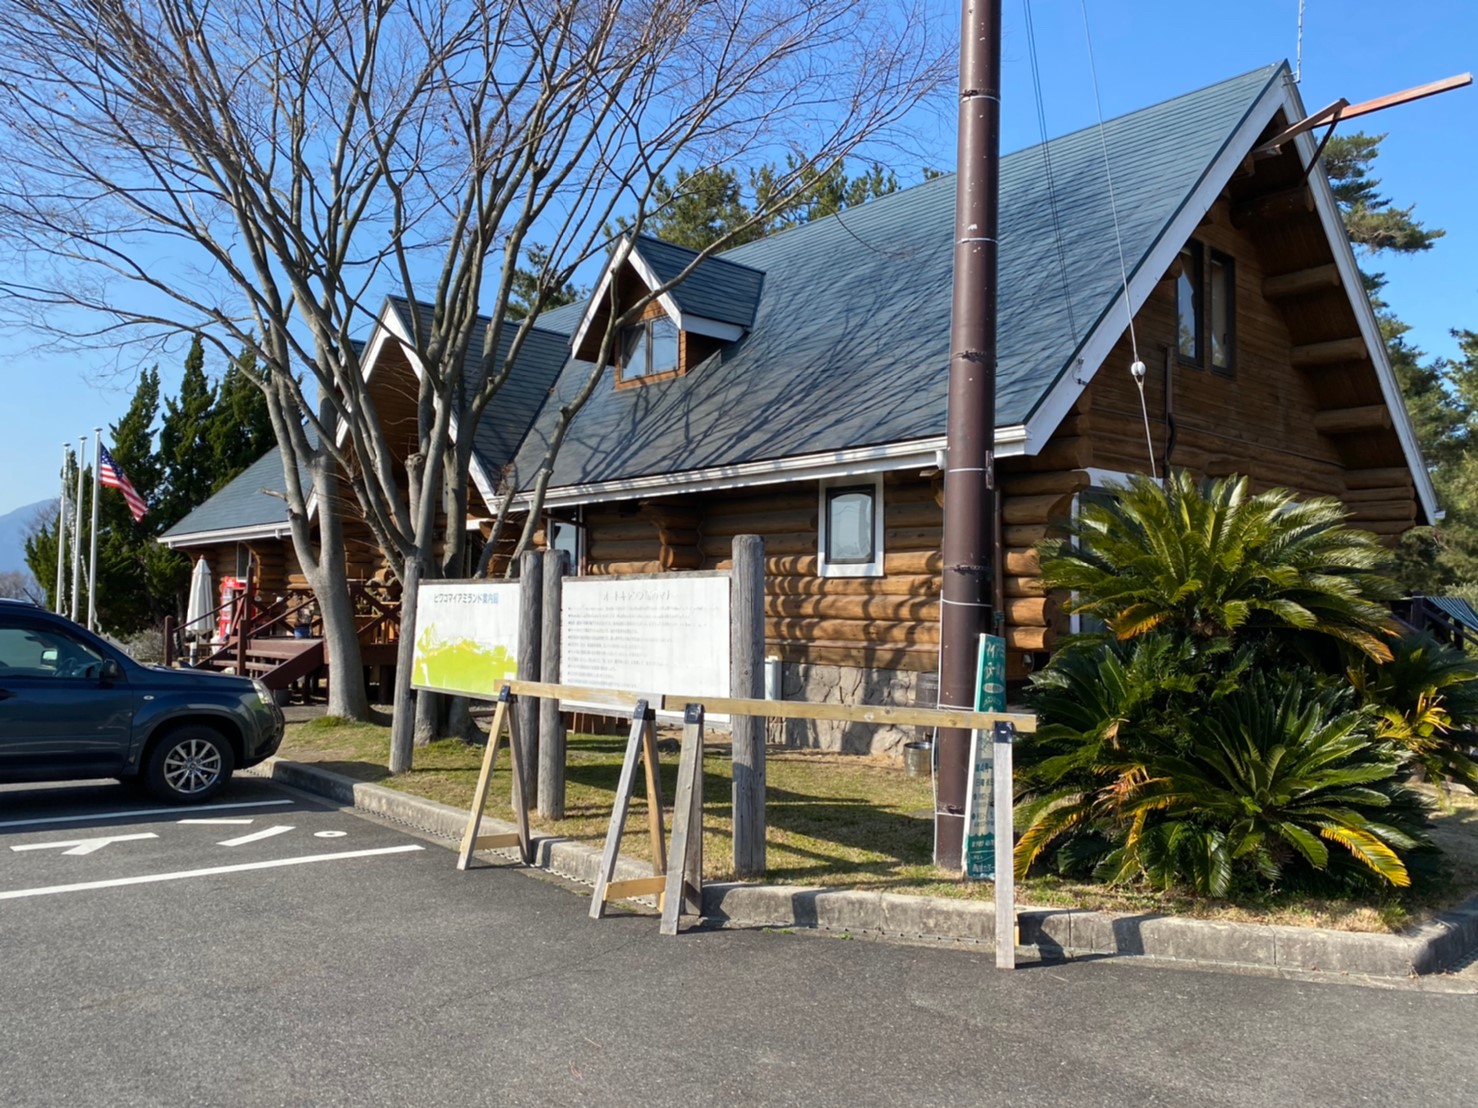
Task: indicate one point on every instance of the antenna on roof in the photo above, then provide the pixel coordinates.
(1298, 57)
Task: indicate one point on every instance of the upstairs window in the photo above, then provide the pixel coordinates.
(648, 349)
(1205, 306)
(1188, 304)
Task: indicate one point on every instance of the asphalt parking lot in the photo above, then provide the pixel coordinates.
(84, 842)
(312, 956)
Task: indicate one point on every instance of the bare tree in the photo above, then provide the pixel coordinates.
(266, 171)
(17, 584)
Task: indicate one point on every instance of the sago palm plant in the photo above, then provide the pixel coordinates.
(1214, 561)
(1427, 700)
(1278, 778)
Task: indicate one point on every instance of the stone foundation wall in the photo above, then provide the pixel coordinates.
(845, 685)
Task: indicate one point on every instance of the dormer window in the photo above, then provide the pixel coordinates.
(649, 350)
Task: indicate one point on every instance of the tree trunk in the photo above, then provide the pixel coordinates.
(403, 715)
(324, 569)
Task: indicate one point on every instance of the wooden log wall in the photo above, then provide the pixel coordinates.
(1278, 424)
(887, 622)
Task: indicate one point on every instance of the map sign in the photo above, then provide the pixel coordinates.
(653, 634)
(466, 636)
(662, 633)
(990, 696)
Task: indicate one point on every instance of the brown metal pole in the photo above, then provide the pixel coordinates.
(969, 478)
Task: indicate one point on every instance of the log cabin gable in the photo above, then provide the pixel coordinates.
(1278, 230)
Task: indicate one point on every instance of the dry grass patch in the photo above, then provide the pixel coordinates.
(837, 820)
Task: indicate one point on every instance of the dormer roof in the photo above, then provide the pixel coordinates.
(717, 299)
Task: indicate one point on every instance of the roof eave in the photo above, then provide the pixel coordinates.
(909, 454)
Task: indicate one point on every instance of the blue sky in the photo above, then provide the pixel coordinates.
(1146, 51)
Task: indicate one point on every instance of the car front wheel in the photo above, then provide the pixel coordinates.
(189, 765)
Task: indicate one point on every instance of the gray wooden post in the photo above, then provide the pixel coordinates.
(530, 588)
(747, 679)
(551, 725)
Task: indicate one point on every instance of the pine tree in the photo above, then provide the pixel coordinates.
(189, 473)
(1441, 396)
(238, 430)
(702, 207)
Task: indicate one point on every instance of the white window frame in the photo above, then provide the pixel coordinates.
(577, 563)
(873, 568)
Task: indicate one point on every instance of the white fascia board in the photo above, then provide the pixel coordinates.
(914, 454)
(1111, 326)
(281, 530)
(390, 327)
(1354, 286)
(599, 296)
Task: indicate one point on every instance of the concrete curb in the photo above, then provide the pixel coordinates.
(1431, 947)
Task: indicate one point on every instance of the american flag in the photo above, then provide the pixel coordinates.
(110, 475)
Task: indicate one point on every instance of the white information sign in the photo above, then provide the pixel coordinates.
(660, 634)
(466, 636)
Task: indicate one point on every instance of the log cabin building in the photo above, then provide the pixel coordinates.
(795, 387)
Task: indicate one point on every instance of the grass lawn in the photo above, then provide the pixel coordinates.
(834, 819)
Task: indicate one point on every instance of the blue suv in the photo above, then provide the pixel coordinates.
(74, 707)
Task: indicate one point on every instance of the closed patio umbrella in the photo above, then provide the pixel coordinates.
(202, 601)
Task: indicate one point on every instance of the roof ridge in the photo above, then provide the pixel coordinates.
(1271, 69)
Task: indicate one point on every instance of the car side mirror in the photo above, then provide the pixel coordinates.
(110, 671)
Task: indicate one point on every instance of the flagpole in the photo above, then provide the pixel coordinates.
(92, 557)
(77, 530)
(60, 592)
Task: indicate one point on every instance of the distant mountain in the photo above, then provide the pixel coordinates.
(13, 528)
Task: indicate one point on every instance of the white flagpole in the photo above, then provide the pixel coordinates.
(92, 558)
(77, 531)
(61, 535)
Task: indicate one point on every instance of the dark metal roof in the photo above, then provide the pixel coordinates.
(718, 288)
(247, 501)
(518, 400)
(849, 345)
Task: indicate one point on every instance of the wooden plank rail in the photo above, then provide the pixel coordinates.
(880, 715)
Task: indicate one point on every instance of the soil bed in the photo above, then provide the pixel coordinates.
(842, 820)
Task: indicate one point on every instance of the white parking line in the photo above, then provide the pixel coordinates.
(144, 812)
(49, 890)
(237, 822)
(86, 846)
(256, 836)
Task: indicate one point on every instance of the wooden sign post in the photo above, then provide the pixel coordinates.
(641, 744)
(504, 716)
(685, 866)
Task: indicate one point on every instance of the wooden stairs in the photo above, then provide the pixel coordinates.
(278, 660)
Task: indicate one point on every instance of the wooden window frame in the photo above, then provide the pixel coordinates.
(1203, 257)
(1197, 276)
(625, 382)
(1216, 257)
(826, 490)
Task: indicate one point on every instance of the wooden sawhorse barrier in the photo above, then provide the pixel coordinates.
(678, 880)
(681, 885)
(504, 719)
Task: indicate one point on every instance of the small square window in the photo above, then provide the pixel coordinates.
(851, 532)
(849, 525)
